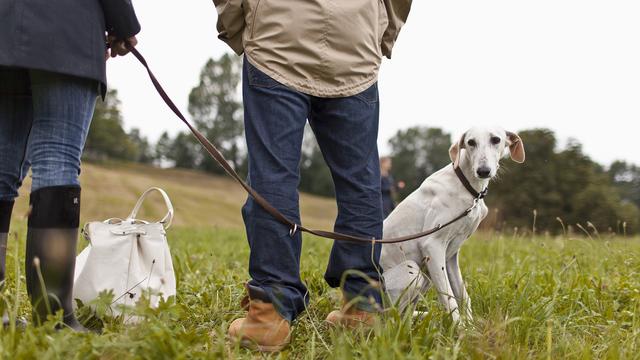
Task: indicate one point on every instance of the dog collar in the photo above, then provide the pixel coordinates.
(467, 185)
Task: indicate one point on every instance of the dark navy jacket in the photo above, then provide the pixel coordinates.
(63, 36)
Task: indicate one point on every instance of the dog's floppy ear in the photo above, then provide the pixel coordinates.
(516, 147)
(456, 149)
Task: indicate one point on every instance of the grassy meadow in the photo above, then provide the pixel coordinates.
(532, 297)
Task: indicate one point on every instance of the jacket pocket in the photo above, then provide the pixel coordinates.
(369, 96)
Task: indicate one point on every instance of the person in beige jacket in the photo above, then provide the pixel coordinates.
(316, 61)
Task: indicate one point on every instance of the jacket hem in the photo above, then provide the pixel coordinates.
(343, 91)
(102, 82)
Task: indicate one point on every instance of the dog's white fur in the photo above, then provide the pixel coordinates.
(440, 198)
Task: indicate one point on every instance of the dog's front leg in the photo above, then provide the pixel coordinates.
(436, 265)
(457, 285)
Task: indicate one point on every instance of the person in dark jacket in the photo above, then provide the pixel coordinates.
(387, 186)
(52, 68)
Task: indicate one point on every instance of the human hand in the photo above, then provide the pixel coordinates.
(117, 47)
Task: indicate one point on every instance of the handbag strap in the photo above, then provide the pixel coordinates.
(167, 219)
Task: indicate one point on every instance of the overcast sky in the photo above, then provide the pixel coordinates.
(569, 65)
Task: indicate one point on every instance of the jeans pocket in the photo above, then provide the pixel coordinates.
(369, 96)
(259, 79)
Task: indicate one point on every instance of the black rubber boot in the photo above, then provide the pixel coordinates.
(51, 252)
(6, 207)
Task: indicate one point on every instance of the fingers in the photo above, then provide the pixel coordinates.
(119, 47)
(107, 51)
(133, 41)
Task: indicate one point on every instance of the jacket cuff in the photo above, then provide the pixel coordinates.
(120, 18)
(235, 43)
(231, 24)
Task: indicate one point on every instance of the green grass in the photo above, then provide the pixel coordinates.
(532, 298)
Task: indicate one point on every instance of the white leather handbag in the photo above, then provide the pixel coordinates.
(129, 257)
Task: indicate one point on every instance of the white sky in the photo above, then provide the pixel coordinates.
(570, 65)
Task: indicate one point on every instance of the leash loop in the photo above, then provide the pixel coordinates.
(293, 230)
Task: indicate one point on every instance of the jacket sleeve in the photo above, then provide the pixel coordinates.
(120, 18)
(397, 13)
(231, 23)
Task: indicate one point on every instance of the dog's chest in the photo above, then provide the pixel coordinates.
(465, 228)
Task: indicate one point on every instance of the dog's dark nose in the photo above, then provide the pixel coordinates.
(483, 172)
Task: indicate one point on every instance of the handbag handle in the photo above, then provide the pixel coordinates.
(167, 219)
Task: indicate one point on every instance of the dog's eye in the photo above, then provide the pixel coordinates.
(472, 143)
(495, 140)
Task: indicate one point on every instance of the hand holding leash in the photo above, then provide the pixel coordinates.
(119, 47)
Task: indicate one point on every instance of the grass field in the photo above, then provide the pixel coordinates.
(536, 297)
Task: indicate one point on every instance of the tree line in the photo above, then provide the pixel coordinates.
(558, 189)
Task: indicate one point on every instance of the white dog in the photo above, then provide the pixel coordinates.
(440, 198)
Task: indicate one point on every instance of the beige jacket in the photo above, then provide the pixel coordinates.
(325, 48)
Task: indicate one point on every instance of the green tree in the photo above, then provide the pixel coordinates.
(418, 152)
(217, 112)
(144, 151)
(558, 184)
(626, 178)
(314, 172)
(184, 151)
(163, 149)
(107, 139)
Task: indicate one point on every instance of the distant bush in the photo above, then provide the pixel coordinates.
(107, 138)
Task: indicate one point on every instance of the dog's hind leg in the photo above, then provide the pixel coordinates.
(404, 283)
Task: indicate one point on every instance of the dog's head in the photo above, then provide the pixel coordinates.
(482, 149)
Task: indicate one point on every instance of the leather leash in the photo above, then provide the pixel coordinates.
(220, 159)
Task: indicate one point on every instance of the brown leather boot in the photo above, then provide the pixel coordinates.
(264, 329)
(350, 317)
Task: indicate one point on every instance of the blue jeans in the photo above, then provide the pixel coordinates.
(44, 121)
(346, 130)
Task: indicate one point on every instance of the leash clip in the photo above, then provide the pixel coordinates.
(476, 200)
(483, 194)
(475, 203)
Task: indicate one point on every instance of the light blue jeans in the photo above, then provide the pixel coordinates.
(44, 121)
